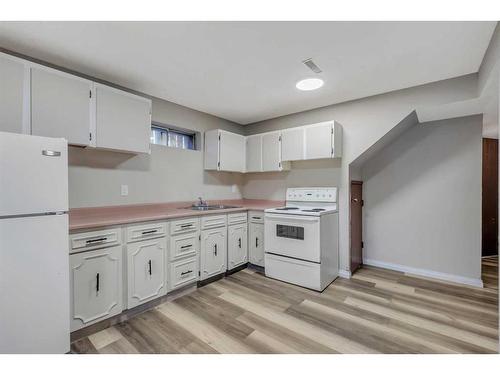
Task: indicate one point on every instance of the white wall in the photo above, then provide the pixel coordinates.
(422, 200)
(168, 174)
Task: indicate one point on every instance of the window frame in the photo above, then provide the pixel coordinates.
(172, 129)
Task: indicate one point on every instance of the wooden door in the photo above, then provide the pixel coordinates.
(256, 245)
(60, 106)
(146, 270)
(96, 286)
(490, 197)
(237, 245)
(356, 225)
(213, 252)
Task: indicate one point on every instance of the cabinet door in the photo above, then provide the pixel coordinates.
(292, 144)
(231, 152)
(256, 245)
(237, 245)
(271, 152)
(254, 153)
(213, 252)
(123, 120)
(60, 106)
(146, 271)
(96, 286)
(318, 141)
(12, 76)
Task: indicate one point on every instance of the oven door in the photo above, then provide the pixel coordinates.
(292, 236)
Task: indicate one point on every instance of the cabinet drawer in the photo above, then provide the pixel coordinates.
(183, 272)
(237, 218)
(95, 239)
(184, 245)
(184, 225)
(145, 231)
(256, 217)
(214, 221)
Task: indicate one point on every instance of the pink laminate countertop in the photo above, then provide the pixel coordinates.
(96, 217)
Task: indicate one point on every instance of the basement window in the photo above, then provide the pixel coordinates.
(173, 137)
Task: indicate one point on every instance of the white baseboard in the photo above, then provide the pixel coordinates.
(427, 273)
(345, 274)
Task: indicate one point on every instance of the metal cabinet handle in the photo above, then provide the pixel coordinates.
(150, 231)
(51, 153)
(88, 242)
(186, 225)
(186, 246)
(256, 217)
(186, 272)
(97, 283)
(150, 271)
(256, 241)
(215, 249)
(239, 243)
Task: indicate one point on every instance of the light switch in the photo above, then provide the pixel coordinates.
(124, 190)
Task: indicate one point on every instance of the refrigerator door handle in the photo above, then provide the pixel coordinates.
(51, 153)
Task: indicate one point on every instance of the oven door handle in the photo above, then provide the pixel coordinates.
(303, 219)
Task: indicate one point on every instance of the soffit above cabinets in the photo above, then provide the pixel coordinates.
(246, 71)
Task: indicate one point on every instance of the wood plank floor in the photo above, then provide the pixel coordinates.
(377, 311)
(490, 272)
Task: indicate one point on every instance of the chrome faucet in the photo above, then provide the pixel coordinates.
(201, 202)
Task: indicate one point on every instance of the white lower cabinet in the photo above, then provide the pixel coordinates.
(213, 252)
(146, 263)
(96, 286)
(237, 245)
(256, 244)
(183, 272)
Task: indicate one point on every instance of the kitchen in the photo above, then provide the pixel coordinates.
(165, 220)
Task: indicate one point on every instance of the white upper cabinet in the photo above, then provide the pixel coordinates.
(123, 120)
(60, 106)
(224, 151)
(232, 152)
(323, 140)
(13, 76)
(271, 153)
(292, 144)
(254, 153)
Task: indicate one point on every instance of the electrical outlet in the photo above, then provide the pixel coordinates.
(233, 188)
(124, 190)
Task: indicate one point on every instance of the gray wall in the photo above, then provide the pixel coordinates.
(422, 197)
(168, 174)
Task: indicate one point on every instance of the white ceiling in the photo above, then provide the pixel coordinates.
(246, 71)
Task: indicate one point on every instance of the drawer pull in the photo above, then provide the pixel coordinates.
(150, 231)
(239, 243)
(51, 153)
(186, 246)
(186, 272)
(215, 249)
(256, 241)
(88, 242)
(150, 271)
(186, 225)
(256, 218)
(97, 283)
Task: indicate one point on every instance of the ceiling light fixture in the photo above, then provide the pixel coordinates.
(309, 84)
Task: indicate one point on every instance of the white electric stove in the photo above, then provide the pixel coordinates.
(301, 238)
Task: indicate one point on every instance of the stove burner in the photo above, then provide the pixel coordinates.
(314, 210)
(287, 208)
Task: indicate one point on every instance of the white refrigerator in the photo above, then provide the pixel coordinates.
(34, 256)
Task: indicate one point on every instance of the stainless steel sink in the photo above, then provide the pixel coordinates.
(210, 207)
